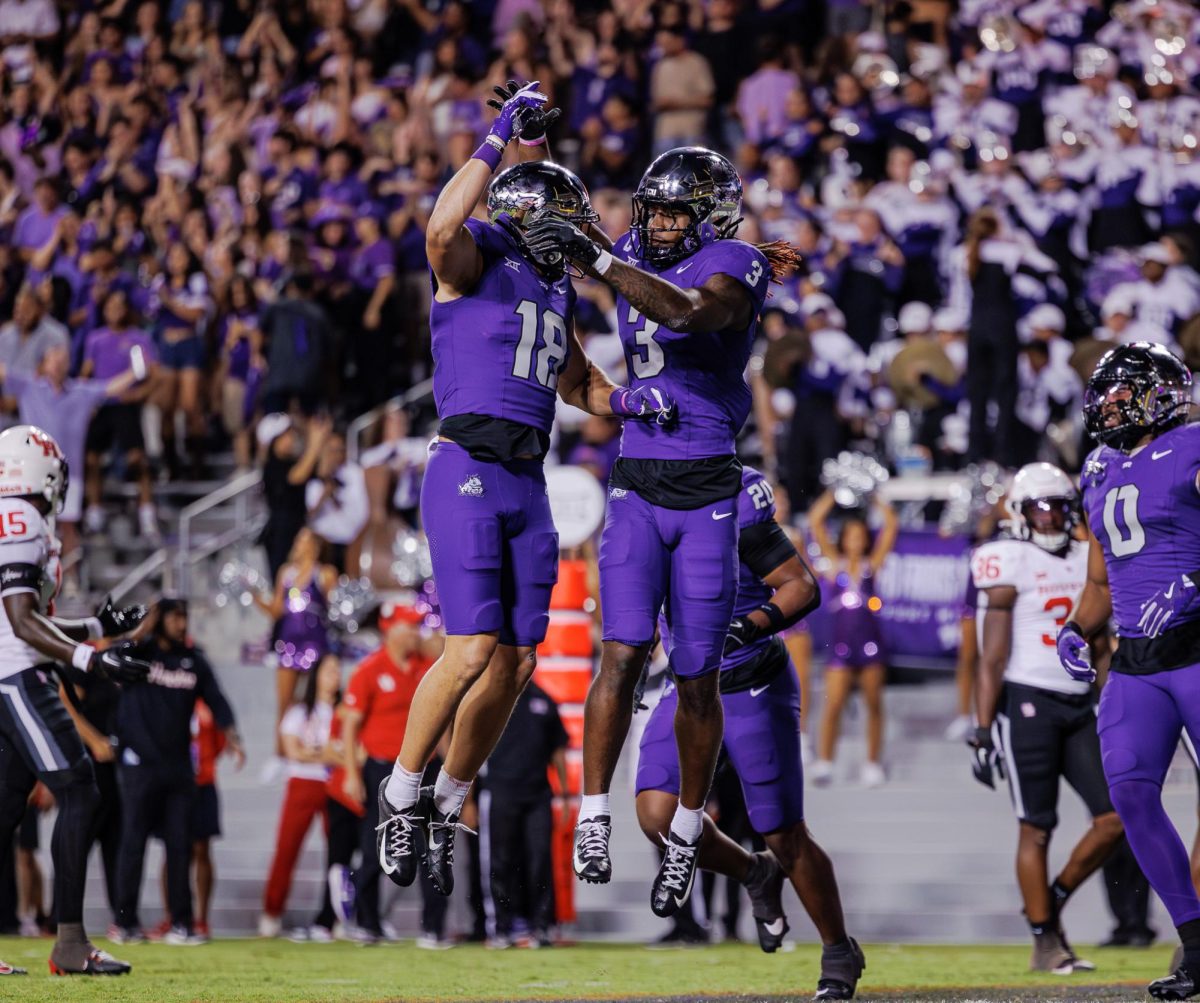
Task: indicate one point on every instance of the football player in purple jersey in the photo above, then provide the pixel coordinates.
(1141, 493)
(688, 299)
(761, 698)
(504, 350)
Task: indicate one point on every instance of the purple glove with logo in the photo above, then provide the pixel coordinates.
(523, 97)
(642, 402)
(1165, 605)
(1074, 653)
(507, 123)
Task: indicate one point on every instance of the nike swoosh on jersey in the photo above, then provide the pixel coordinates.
(756, 690)
(1159, 456)
(721, 515)
(683, 268)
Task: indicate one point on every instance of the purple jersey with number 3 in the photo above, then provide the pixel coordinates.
(1145, 511)
(498, 351)
(703, 372)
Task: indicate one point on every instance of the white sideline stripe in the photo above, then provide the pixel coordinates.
(1014, 781)
(32, 729)
(485, 861)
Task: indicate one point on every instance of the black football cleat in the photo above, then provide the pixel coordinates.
(7, 969)
(673, 882)
(400, 836)
(439, 849)
(590, 858)
(764, 884)
(97, 963)
(842, 966)
(1181, 984)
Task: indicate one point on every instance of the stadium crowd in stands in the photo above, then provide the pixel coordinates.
(241, 189)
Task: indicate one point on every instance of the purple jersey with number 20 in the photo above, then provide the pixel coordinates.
(498, 351)
(762, 724)
(704, 372)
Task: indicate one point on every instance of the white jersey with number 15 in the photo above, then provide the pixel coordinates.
(29, 562)
(1047, 586)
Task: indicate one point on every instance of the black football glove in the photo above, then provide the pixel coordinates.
(117, 666)
(549, 233)
(986, 763)
(742, 631)
(114, 620)
(530, 124)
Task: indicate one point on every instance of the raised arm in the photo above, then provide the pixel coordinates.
(453, 254)
(720, 303)
(817, 521)
(886, 540)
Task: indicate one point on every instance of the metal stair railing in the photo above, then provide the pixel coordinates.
(236, 491)
(356, 428)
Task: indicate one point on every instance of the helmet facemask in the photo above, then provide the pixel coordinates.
(1121, 412)
(516, 203)
(1047, 522)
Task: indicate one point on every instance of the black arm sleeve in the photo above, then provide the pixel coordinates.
(20, 578)
(211, 694)
(764, 546)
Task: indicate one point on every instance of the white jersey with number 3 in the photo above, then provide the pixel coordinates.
(29, 562)
(1047, 586)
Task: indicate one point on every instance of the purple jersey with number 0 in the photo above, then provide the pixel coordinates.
(498, 351)
(703, 372)
(1145, 511)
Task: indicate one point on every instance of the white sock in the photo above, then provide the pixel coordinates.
(449, 794)
(688, 823)
(403, 788)
(592, 806)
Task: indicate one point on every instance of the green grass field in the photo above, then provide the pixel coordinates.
(233, 971)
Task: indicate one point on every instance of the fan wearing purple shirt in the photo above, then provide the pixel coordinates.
(108, 352)
(688, 299)
(504, 351)
(63, 408)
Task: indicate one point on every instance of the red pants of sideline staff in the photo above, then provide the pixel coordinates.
(303, 801)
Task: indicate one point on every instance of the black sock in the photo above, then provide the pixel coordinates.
(1059, 895)
(1039, 928)
(1189, 933)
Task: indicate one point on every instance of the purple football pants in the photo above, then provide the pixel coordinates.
(687, 560)
(1141, 718)
(762, 739)
(493, 544)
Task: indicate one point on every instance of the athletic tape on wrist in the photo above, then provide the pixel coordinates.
(603, 263)
(81, 657)
(540, 141)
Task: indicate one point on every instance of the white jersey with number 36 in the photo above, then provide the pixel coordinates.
(1047, 586)
(29, 562)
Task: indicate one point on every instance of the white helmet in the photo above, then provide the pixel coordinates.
(1043, 488)
(31, 464)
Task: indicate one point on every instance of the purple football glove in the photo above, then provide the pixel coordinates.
(526, 97)
(1074, 653)
(643, 402)
(1166, 604)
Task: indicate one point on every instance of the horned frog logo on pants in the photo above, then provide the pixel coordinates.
(472, 487)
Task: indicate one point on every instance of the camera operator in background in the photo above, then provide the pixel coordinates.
(154, 772)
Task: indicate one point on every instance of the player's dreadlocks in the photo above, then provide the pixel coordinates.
(782, 258)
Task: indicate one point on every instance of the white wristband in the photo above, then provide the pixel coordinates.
(602, 263)
(94, 630)
(81, 657)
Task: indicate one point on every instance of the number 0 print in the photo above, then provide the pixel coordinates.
(1125, 533)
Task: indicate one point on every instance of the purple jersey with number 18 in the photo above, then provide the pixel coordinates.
(1144, 509)
(704, 372)
(498, 351)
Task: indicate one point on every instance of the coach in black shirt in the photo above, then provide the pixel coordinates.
(514, 817)
(155, 773)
